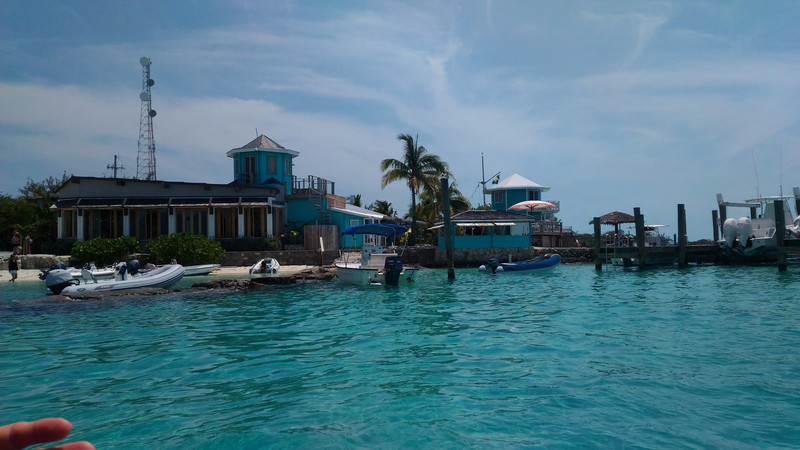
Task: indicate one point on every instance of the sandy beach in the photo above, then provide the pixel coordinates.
(225, 272)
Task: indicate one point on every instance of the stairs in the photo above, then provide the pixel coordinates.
(318, 201)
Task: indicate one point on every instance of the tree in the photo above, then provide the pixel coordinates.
(29, 214)
(383, 207)
(43, 195)
(418, 168)
(431, 202)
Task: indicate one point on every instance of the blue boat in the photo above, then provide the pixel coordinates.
(543, 263)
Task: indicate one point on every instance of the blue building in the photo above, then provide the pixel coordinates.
(501, 228)
(265, 199)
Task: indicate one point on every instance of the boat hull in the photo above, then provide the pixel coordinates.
(203, 269)
(371, 276)
(163, 277)
(536, 265)
(265, 266)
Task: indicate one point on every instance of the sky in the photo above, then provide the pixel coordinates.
(611, 104)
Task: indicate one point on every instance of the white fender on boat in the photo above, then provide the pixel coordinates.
(729, 228)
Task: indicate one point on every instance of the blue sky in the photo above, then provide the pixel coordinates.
(612, 104)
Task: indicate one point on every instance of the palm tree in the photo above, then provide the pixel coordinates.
(431, 202)
(382, 206)
(418, 168)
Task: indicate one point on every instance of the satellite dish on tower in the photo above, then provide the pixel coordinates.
(151, 82)
(144, 96)
(152, 113)
(144, 60)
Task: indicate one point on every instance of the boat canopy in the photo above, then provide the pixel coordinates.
(389, 230)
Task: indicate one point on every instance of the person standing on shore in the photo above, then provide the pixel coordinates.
(13, 266)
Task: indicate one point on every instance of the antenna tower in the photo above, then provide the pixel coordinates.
(146, 159)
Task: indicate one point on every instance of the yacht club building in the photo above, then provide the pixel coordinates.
(262, 199)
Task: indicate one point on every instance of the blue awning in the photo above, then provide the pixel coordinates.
(384, 229)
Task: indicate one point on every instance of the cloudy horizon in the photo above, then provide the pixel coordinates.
(612, 105)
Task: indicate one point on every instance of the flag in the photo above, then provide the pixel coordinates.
(496, 179)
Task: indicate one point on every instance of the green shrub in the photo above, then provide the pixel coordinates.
(105, 251)
(185, 248)
(273, 244)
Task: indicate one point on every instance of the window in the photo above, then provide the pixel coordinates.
(278, 218)
(69, 223)
(226, 222)
(534, 195)
(287, 166)
(497, 197)
(254, 222)
(249, 169)
(193, 221)
(149, 223)
(105, 223)
(272, 165)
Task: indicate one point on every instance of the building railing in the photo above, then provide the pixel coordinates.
(312, 183)
(546, 226)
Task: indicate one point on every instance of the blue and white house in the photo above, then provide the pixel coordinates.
(501, 228)
(517, 188)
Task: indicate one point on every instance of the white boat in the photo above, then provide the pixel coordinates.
(127, 277)
(77, 273)
(265, 267)
(755, 236)
(375, 263)
(202, 269)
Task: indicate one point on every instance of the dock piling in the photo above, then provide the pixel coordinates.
(682, 238)
(780, 226)
(640, 237)
(598, 261)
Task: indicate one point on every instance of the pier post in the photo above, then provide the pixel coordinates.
(448, 227)
(681, 235)
(780, 232)
(715, 219)
(723, 212)
(640, 237)
(796, 191)
(598, 262)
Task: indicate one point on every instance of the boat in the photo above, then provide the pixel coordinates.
(77, 273)
(265, 266)
(60, 281)
(543, 263)
(202, 269)
(376, 263)
(754, 235)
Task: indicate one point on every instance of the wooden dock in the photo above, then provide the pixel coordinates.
(681, 253)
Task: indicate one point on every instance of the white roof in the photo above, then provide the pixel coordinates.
(262, 143)
(360, 212)
(516, 181)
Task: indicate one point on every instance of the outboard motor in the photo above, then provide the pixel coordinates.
(58, 265)
(392, 267)
(58, 279)
(729, 229)
(133, 266)
(744, 231)
(492, 265)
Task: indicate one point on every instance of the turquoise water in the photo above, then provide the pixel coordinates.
(700, 357)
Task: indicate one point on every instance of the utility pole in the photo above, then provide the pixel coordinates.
(115, 166)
